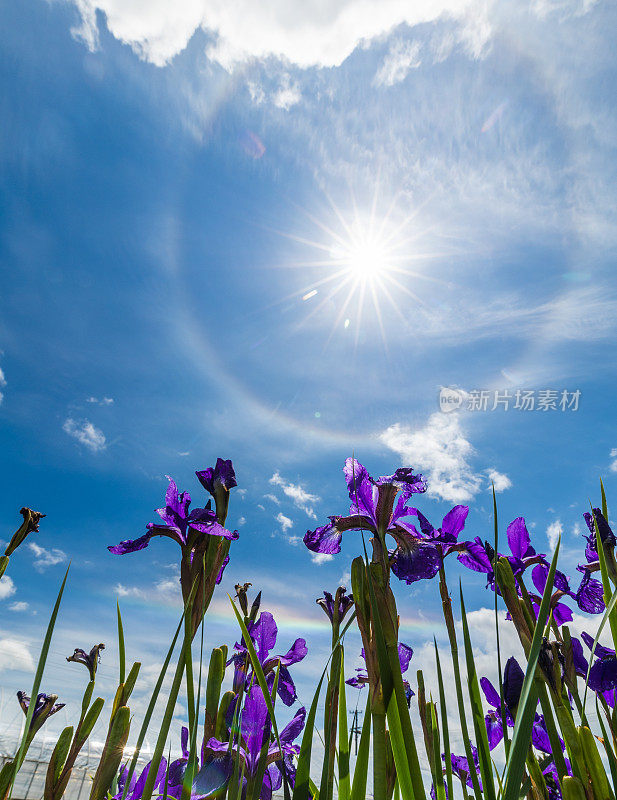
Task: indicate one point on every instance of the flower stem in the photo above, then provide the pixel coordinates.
(380, 788)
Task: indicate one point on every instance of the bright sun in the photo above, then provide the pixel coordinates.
(365, 261)
(364, 257)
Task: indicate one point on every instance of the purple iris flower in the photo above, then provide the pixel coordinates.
(90, 660)
(137, 785)
(342, 603)
(479, 556)
(222, 476)
(361, 679)
(264, 633)
(603, 672)
(590, 595)
(373, 509)
(561, 588)
(178, 523)
(512, 684)
(254, 735)
(44, 707)
(460, 767)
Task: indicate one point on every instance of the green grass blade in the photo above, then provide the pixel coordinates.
(121, 649)
(358, 788)
(399, 721)
(303, 787)
(440, 789)
(610, 755)
(37, 682)
(477, 712)
(153, 699)
(261, 679)
(344, 783)
(528, 698)
(445, 733)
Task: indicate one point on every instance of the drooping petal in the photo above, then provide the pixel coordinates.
(539, 575)
(491, 694)
(420, 561)
(562, 614)
(600, 651)
(581, 665)
(131, 545)
(326, 539)
(219, 577)
(213, 776)
(294, 728)
(494, 729)
(296, 653)
(286, 689)
(590, 595)
(475, 557)
(404, 656)
(603, 674)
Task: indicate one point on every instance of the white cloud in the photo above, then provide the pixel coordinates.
(614, 461)
(441, 452)
(306, 34)
(241, 521)
(19, 605)
(402, 57)
(104, 401)
(287, 95)
(85, 433)
(284, 521)
(2, 383)
(15, 655)
(553, 532)
(499, 480)
(273, 498)
(321, 558)
(166, 590)
(300, 497)
(7, 587)
(46, 558)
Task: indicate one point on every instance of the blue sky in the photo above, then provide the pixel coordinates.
(181, 182)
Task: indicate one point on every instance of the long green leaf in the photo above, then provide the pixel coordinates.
(445, 733)
(360, 773)
(261, 679)
(37, 682)
(154, 697)
(610, 755)
(121, 650)
(606, 584)
(344, 783)
(528, 699)
(303, 788)
(477, 712)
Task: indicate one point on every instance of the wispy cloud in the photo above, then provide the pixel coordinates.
(86, 433)
(553, 532)
(613, 466)
(103, 401)
(441, 451)
(15, 655)
(2, 383)
(301, 498)
(321, 558)
(7, 587)
(19, 605)
(284, 522)
(46, 558)
(402, 57)
(499, 480)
